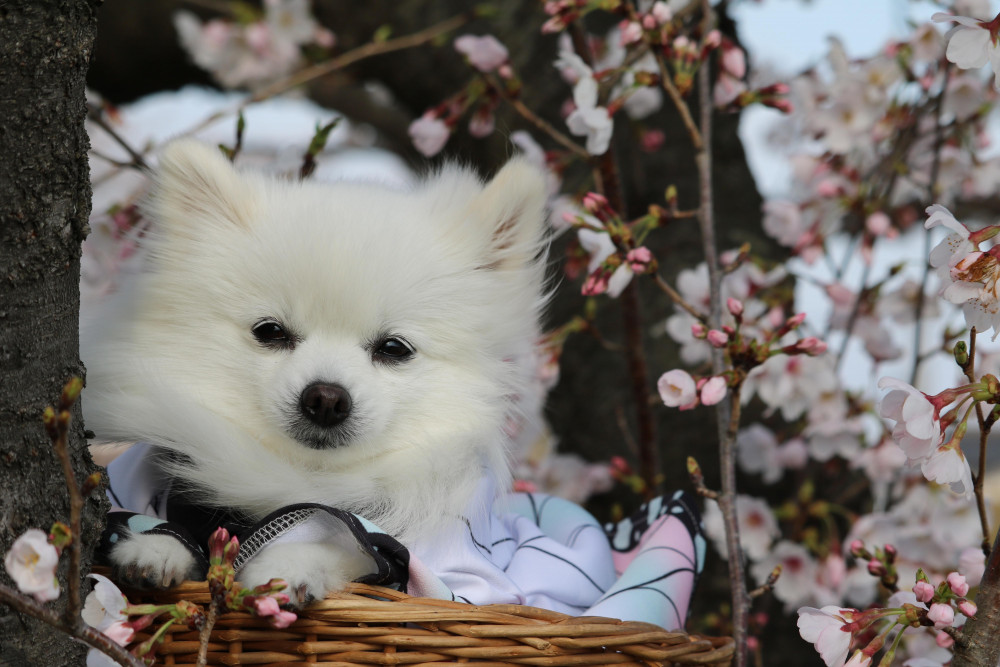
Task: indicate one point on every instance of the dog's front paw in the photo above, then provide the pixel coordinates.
(143, 561)
(311, 570)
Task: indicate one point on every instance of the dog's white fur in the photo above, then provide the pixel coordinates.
(453, 266)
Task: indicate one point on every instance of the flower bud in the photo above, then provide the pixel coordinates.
(958, 584)
(717, 338)
(961, 353)
(699, 330)
(858, 549)
(735, 307)
(968, 607)
(217, 544)
(890, 553)
(923, 591)
(942, 615)
(876, 568)
(943, 639)
(70, 393)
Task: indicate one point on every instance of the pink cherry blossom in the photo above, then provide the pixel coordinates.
(944, 640)
(31, 563)
(941, 614)
(429, 134)
(825, 628)
(677, 389)
(265, 606)
(485, 53)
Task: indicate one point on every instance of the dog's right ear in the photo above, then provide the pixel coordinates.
(196, 187)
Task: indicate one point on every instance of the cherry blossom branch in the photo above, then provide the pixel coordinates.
(767, 585)
(932, 193)
(682, 107)
(342, 61)
(677, 298)
(984, 435)
(537, 120)
(96, 116)
(76, 629)
(206, 630)
(57, 423)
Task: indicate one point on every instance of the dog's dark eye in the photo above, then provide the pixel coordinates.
(393, 349)
(272, 334)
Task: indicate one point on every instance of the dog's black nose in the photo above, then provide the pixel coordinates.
(325, 404)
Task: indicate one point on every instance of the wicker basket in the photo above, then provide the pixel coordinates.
(369, 625)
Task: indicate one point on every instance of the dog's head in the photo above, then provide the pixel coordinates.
(336, 325)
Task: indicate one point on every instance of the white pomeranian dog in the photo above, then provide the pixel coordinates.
(343, 344)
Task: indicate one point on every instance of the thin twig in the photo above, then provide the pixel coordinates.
(77, 630)
(682, 107)
(677, 298)
(97, 116)
(539, 122)
(984, 436)
(206, 630)
(61, 444)
(772, 579)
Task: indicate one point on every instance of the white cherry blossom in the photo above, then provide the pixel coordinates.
(973, 42)
(824, 628)
(31, 563)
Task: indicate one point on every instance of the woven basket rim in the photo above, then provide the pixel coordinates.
(368, 625)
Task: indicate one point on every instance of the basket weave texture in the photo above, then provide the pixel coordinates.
(370, 625)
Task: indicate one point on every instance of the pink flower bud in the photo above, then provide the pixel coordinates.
(968, 607)
(942, 615)
(857, 546)
(713, 39)
(282, 619)
(735, 307)
(812, 346)
(596, 283)
(958, 584)
(943, 639)
(630, 32)
(875, 567)
(714, 390)
(639, 259)
(594, 202)
(217, 543)
(661, 12)
(795, 320)
(924, 591)
(699, 330)
(717, 338)
(265, 606)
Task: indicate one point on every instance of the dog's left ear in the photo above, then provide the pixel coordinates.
(511, 207)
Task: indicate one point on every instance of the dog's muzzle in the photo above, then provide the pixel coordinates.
(325, 405)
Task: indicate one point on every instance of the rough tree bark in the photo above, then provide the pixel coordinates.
(45, 48)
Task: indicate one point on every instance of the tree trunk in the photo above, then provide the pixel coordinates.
(45, 48)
